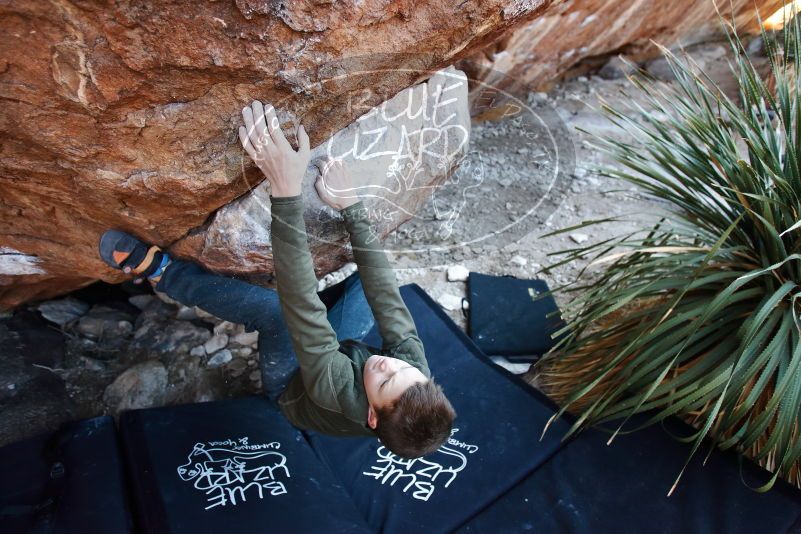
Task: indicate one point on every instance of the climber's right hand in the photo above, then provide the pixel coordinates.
(266, 145)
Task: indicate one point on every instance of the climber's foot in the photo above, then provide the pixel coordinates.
(123, 251)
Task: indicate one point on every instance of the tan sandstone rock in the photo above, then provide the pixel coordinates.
(574, 32)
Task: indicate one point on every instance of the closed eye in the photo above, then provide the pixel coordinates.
(393, 374)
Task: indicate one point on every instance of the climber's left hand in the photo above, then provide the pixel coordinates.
(266, 145)
(335, 186)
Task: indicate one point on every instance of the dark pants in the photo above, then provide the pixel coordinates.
(258, 309)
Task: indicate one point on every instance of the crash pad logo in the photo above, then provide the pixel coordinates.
(419, 478)
(231, 471)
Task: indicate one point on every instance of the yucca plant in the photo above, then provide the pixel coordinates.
(697, 315)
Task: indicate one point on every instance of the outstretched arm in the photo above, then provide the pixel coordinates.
(378, 278)
(313, 339)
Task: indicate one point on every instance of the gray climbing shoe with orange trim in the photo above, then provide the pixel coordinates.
(123, 251)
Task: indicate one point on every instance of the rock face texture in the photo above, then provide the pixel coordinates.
(579, 31)
(124, 114)
(399, 153)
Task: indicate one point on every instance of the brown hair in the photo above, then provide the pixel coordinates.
(418, 422)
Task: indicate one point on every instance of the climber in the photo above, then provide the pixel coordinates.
(342, 387)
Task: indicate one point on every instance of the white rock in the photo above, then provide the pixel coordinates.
(63, 311)
(225, 327)
(243, 351)
(198, 351)
(450, 302)
(516, 368)
(215, 343)
(579, 238)
(458, 273)
(141, 301)
(220, 358)
(186, 313)
(246, 339)
(140, 386)
(520, 261)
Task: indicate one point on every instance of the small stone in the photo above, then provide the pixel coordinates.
(660, 69)
(63, 311)
(225, 327)
(140, 386)
(243, 352)
(616, 69)
(458, 273)
(105, 322)
(141, 301)
(756, 47)
(198, 351)
(216, 343)
(125, 328)
(579, 238)
(450, 302)
(255, 376)
(520, 261)
(515, 368)
(220, 358)
(246, 339)
(11, 386)
(186, 313)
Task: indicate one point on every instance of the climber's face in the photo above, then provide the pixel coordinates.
(386, 378)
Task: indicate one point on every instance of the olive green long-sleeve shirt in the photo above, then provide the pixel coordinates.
(327, 394)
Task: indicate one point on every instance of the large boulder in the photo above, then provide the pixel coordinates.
(584, 33)
(398, 153)
(124, 114)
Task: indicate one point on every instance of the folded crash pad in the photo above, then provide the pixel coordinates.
(511, 317)
(495, 441)
(229, 466)
(67, 481)
(590, 487)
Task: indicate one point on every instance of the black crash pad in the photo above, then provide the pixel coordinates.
(229, 466)
(590, 487)
(511, 317)
(87, 496)
(496, 440)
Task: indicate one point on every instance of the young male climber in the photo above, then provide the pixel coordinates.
(337, 385)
